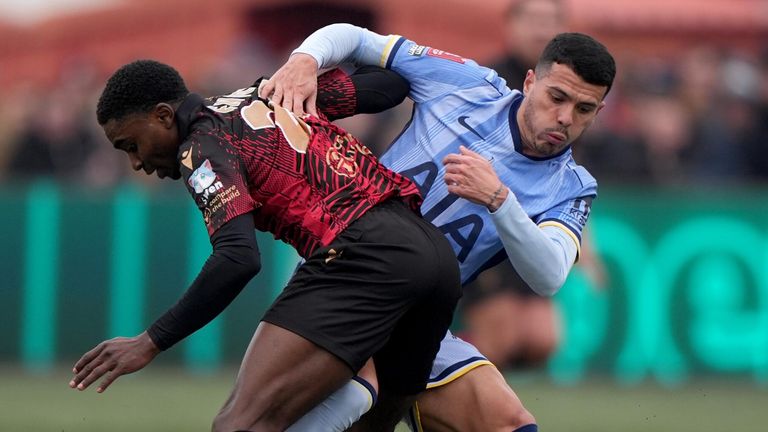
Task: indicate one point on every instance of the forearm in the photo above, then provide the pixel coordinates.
(378, 89)
(337, 44)
(543, 257)
(234, 261)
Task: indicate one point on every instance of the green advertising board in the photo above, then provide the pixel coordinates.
(687, 288)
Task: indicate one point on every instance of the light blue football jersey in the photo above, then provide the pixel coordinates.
(458, 102)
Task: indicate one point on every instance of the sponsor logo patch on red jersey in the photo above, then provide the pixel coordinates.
(445, 55)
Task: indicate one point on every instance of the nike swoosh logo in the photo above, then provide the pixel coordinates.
(463, 122)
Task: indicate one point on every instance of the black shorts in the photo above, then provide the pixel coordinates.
(386, 287)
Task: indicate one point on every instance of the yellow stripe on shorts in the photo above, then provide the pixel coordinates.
(458, 373)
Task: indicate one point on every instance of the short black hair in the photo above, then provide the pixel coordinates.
(587, 57)
(137, 87)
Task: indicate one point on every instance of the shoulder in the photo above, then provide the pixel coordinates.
(412, 58)
(577, 181)
(582, 174)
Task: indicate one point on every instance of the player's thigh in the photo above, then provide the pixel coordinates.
(281, 377)
(479, 400)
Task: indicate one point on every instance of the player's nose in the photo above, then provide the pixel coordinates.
(565, 117)
(136, 163)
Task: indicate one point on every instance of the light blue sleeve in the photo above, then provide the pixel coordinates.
(541, 255)
(337, 44)
(431, 72)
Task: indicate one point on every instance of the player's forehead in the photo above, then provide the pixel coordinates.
(121, 129)
(562, 78)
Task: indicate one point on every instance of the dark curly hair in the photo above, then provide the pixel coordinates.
(587, 57)
(137, 87)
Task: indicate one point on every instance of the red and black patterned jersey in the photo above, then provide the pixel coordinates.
(304, 180)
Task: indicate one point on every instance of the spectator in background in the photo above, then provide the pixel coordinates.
(757, 151)
(54, 144)
(530, 24)
(712, 93)
(691, 122)
(54, 134)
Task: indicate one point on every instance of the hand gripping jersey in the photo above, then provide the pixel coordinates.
(304, 180)
(458, 103)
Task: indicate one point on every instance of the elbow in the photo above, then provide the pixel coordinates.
(549, 287)
(252, 265)
(245, 261)
(545, 291)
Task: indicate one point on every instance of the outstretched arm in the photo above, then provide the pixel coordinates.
(294, 85)
(234, 261)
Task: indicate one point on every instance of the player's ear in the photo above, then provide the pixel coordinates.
(530, 78)
(165, 114)
(600, 107)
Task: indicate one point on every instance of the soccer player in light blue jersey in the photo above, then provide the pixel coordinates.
(497, 175)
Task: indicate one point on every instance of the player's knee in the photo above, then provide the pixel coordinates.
(234, 417)
(520, 417)
(506, 416)
(504, 409)
(222, 422)
(225, 421)
(340, 410)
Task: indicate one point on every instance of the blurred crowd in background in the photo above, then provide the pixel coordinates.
(701, 117)
(696, 117)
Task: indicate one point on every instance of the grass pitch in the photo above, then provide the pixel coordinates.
(163, 400)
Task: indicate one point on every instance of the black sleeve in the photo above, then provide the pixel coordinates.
(378, 89)
(234, 261)
(369, 90)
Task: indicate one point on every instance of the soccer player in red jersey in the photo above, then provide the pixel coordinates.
(378, 280)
